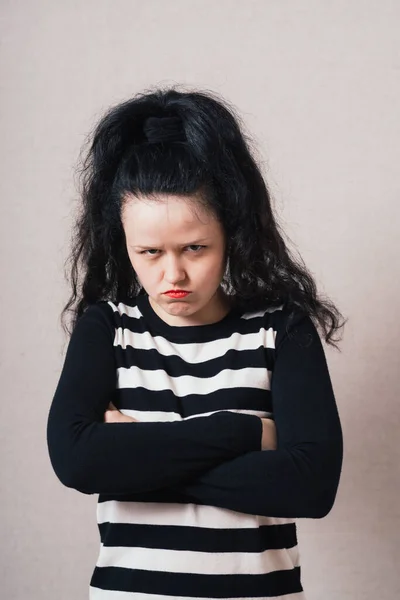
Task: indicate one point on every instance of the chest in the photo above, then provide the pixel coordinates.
(160, 380)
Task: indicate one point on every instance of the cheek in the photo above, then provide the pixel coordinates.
(214, 269)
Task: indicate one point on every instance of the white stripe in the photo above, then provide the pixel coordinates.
(200, 563)
(188, 515)
(159, 380)
(243, 411)
(153, 416)
(195, 352)
(125, 309)
(99, 594)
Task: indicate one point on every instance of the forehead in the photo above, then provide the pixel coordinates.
(170, 216)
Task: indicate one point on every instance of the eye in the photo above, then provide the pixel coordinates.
(155, 250)
(196, 246)
(145, 251)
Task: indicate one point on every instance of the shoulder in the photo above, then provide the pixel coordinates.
(101, 311)
(114, 317)
(110, 311)
(96, 320)
(290, 321)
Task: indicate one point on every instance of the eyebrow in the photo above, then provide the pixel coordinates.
(181, 245)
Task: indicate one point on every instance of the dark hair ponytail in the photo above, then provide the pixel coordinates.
(166, 141)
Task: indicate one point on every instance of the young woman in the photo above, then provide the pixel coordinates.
(195, 396)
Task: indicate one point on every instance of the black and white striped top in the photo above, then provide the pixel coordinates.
(189, 505)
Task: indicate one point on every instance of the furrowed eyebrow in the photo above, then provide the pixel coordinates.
(181, 245)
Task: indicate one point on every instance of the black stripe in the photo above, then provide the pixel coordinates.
(165, 495)
(191, 584)
(199, 539)
(239, 398)
(175, 366)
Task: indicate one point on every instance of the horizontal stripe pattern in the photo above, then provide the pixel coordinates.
(154, 545)
(185, 384)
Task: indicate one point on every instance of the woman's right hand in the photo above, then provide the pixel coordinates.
(269, 438)
(113, 415)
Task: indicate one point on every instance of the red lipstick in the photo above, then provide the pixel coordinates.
(177, 293)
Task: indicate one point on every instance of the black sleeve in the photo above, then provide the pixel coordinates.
(300, 478)
(121, 458)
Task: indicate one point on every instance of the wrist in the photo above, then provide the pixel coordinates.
(269, 440)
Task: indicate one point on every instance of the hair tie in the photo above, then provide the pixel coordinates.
(164, 129)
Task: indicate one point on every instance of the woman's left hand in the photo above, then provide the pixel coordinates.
(113, 415)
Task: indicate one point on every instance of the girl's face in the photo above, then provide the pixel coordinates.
(176, 244)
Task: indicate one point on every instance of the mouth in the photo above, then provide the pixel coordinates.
(176, 293)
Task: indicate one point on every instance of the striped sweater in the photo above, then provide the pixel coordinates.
(189, 504)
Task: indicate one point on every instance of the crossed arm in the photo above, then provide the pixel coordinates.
(214, 460)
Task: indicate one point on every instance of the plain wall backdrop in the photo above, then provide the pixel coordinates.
(317, 84)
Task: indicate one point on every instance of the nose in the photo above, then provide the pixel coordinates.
(174, 272)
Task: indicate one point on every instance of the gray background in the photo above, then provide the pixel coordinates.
(317, 83)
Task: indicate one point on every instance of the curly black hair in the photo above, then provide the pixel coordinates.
(209, 152)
